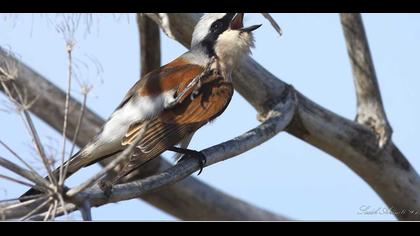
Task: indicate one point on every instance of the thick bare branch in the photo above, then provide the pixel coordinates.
(181, 199)
(276, 121)
(86, 212)
(387, 171)
(370, 110)
(84, 208)
(149, 44)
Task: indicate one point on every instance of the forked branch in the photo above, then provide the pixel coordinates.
(370, 109)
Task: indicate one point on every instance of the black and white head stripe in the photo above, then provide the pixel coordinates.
(209, 28)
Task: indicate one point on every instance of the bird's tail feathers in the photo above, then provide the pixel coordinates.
(71, 163)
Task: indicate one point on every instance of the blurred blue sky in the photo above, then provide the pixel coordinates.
(284, 175)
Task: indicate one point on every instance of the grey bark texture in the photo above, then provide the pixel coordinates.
(370, 109)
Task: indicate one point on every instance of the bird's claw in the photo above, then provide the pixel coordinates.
(106, 187)
(202, 160)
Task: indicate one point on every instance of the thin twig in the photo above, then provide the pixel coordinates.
(70, 207)
(35, 210)
(16, 180)
(27, 117)
(10, 96)
(5, 74)
(63, 204)
(66, 111)
(38, 145)
(41, 184)
(273, 23)
(18, 157)
(54, 211)
(48, 212)
(79, 122)
(22, 198)
(24, 204)
(29, 125)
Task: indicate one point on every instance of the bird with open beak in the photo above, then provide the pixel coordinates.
(172, 102)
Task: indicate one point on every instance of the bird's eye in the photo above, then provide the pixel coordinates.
(216, 26)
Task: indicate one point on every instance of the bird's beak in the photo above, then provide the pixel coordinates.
(237, 24)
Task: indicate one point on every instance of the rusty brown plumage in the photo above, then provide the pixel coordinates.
(173, 125)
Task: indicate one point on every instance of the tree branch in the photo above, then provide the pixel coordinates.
(86, 212)
(181, 199)
(277, 120)
(387, 171)
(370, 110)
(149, 43)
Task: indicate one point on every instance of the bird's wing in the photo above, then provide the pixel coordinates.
(144, 101)
(174, 75)
(173, 125)
(135, 108)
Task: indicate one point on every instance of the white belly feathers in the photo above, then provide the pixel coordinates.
(135, 110)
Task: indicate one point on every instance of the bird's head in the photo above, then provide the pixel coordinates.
(223, 35)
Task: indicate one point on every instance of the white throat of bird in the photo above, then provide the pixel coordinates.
(231, 47)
